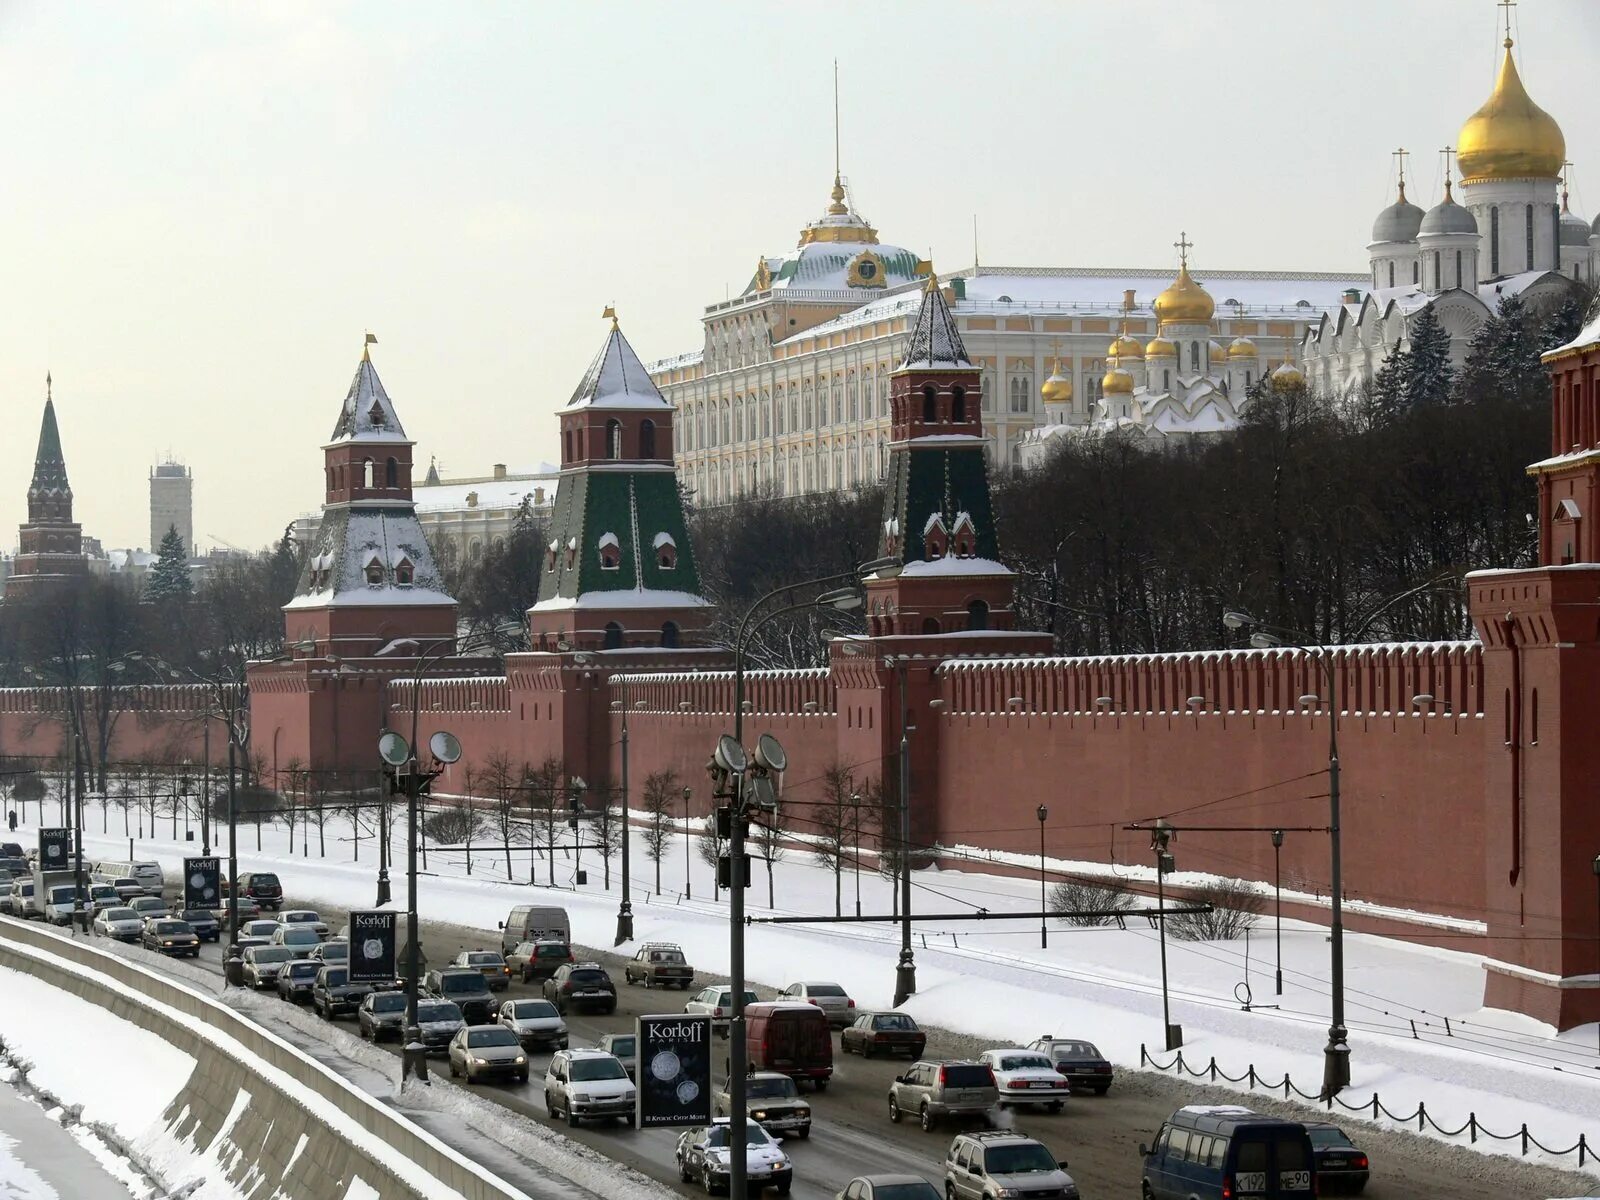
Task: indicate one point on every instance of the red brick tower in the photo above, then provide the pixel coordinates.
(936, 517)
(50, 553)
(1542, 680)
(369, 577)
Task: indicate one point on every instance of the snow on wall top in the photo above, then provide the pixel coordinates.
(367, 414)
(616, 379)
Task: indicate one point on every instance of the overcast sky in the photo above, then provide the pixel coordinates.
(205, 205)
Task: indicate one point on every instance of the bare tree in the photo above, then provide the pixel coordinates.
(830, 821)
(546, 818)
(660, 790)
(768, 832)
(500, 782)
(709, 847)
(1089, 903)
(1235, 907)
(605, 822)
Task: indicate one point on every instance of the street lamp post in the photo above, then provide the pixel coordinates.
(1597, 905)
(1277, 891)
(1159, 841)
(855, 806)
(688, 883)
(1044, 932)
(905, 970)
(625, 909)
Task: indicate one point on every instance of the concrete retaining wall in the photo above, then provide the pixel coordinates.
(294, 1097)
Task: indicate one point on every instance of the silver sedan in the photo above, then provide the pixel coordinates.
(488, 1052)
(123, 924)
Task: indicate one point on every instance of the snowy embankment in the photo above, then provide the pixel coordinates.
(994, 981)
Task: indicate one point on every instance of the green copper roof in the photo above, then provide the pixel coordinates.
(948, 480)
(635, 508)
(49, 466)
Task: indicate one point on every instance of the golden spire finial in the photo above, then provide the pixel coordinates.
(925, 266)
(367, 343)
(838, 208)
(49, 388)
(610, 313)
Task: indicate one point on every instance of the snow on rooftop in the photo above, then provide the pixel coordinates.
(493, 494)
(955, 566)
(616, 379)
(624, 598)
(935, 341)
(367, 414)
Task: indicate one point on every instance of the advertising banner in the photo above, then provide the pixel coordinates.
(674, 1070)
(372, 946)
(55, 850)
(202, 882)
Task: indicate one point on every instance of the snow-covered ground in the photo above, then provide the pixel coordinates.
(993, 980)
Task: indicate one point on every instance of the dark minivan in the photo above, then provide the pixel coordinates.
(1225, 1152)
(262, 887)
(791, 1039)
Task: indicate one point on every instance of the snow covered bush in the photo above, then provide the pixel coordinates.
(1235, 905)
(1089, 904)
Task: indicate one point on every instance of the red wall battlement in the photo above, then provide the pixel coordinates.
(155, 722)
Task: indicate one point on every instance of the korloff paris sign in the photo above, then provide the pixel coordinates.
(372, 947)
(55, 849)
(202, 882)
(674, 1070)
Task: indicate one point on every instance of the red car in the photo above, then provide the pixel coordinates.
(883, 1033)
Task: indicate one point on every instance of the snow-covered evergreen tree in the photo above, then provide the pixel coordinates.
(1387, 394)
(1503, 360)
(169, 578)
(1428, 374)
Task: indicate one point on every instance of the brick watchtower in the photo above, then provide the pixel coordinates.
(619, 570)
(1541, 663)
(50, 543)
(369, 577)
(936, 516)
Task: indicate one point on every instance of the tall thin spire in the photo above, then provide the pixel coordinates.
(974, 243)
(838, 208)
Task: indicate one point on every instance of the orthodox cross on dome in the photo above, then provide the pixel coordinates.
(1183, 245)
(1508, 5)
(1399, 155)
(1566, 181)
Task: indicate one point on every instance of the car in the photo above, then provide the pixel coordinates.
(772, 1099)
(587, 1084)
(295, 980)
(127, 887)
(486, 1051)
(538, 960)
(262, 964)
(437, 1022)
(11, 850)
(121, 923)
(334, 951)
(262, 887)
(581, 985)
(717, 1003)
(204, 923)
(491, 964)
(382, 1013)
(938, 1091)
(829, 997)
(1340, 1166)
(103, 895)
(332, 993)
(998, 1164)
(467, 989)
(64, 902)
(170, 937)
(305, 918)
(1218, 1150)
(249, 910)
(1085, 1068)
(150, 906)
(659, 964)
(883, 1033)
(534, 923)
(888, 1187)
(535, 1022)
(246, 943)
(18, 902)
(626, 1047)
(258, 928)
(704, 1155)
(1026, 1077)
(299, 938)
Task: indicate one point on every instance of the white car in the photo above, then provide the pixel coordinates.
(535, 1022)
(703, 1158)
(304, 918)
(829, 997)
(717, 1003)
(120, 923)
(1026, 1077)
(260, 929)
(588, 1084)
(150, 906)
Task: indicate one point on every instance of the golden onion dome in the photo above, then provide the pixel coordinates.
(1242, 347)
(1159, 347)
(1125, 347)
(1510, 137)
(1184, 302)
(1058, 388)
(1214, 348)
(1288, 375)
(1117, 382)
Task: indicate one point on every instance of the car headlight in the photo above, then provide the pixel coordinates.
(520, 1061)
(802, 1111)
(581, 1097)
(1006, 1193)
(166, 942)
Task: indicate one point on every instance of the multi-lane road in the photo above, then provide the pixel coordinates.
(852, 1135)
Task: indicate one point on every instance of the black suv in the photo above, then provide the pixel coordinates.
(467, 989)
(262, 887)
(581, 985)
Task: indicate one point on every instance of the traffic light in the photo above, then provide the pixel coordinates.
(723, 871)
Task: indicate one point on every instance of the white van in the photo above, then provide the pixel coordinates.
(533, 923)
(149, 874)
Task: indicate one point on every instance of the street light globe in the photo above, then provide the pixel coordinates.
(1043, 813)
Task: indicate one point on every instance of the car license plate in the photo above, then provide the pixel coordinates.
(1334, 1162)
(1041, 1084)
(1251, 1181)
(591, 993)
(1294, 1181)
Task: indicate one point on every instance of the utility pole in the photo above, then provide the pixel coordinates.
(905, 972)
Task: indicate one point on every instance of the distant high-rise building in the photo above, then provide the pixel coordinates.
(171, 503)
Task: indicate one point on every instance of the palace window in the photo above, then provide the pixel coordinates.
(1530, 237)
(1461, 281)
(366, 473)
(977, 615)
(647, 439)
(958, 406)
(391, 474)
(613, 438)
(374, 573)
(1391, 273)
(613, 639)
(1494, 240)
(669, 635)
(404, 572)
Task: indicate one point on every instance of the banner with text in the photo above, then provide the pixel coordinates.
(372, 947)
(674, 1057)
(55, 850)
(202, 882)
